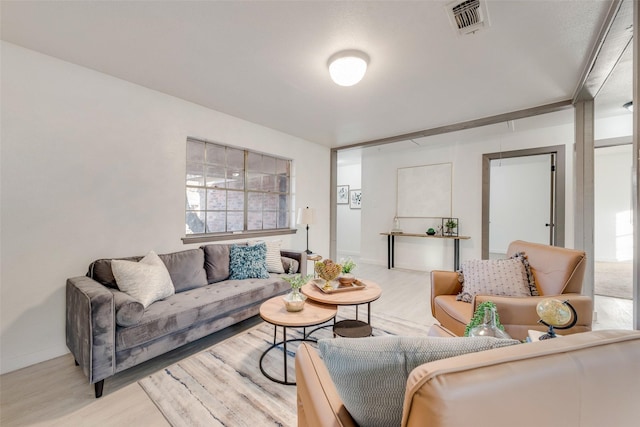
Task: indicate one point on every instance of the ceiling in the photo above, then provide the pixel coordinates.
(266, 61)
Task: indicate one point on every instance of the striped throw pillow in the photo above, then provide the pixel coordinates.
(274, 262)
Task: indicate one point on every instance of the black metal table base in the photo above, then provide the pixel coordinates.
(305, 338)
(284, 344)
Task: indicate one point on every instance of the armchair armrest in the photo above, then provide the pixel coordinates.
(299, 256)
(319, 404)
(518, 314)
(90, 327)
(443, 283)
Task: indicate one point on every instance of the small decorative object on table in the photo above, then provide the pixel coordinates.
(450, 226)
(431, 232)
(347, 278)
(485, 322)
(556, 314)
(294, 300)
(328, 270)
(396, 226)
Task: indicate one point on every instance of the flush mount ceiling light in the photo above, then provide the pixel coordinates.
(347, 67)
(629, 106)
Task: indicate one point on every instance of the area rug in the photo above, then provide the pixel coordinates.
(223, 385)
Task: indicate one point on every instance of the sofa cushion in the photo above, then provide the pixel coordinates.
(186, 269)
(146, 281)
(216, 261)
(248, 262)
(187, 309)
(371, 374)
(129, 311)
(505, 277)
(100, 271)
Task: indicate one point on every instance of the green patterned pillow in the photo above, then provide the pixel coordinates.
(371, 373)
(248, 262)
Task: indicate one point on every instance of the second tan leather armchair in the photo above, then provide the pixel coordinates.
(558, 272)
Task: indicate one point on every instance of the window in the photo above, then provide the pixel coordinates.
(230, 189)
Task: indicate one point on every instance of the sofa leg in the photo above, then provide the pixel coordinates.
(99, 386)
(77, 364)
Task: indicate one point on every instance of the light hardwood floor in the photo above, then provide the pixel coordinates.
(56, 392)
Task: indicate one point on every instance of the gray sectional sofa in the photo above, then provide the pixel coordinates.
(107, 331)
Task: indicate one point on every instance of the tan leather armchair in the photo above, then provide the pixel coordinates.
(558, 272)
(583, 380)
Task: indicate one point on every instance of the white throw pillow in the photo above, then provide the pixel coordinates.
(274, 262)
(146, 281)
(500, 277)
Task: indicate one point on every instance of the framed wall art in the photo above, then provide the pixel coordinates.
(425, 191)
(343, 195)
(355, 199)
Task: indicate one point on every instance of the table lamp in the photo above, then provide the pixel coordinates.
(306, 217)
(556, 314)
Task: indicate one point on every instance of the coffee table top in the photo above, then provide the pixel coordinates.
(274, 311)
(371, 293)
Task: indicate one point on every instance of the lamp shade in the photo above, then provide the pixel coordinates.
(305, 216)
(348, 67)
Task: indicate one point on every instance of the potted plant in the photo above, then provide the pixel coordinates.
(450, 225)
(294, 300)
(347, 278)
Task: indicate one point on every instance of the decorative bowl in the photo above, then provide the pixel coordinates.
(346, 279)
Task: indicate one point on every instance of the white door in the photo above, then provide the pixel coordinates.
(521, 201)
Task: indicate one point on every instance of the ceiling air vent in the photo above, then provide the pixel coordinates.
(468, 16)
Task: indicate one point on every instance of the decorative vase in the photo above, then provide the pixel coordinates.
(294, 300)
(488, 327)
(328, 270)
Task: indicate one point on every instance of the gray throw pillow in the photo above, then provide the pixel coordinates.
(186, 269)
(371, 373)
(216, 261)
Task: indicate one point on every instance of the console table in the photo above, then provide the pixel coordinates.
(391, 246)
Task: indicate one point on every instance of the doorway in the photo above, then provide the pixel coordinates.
(523, 198)
(613, 231)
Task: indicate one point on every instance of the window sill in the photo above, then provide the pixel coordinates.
(203, 238)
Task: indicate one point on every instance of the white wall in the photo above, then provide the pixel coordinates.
(464, 149)
(348, 223)
(93, 166)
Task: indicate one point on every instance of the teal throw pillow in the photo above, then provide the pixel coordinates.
(248, 262)
(371, 373)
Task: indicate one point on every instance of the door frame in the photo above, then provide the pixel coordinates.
(559, 217)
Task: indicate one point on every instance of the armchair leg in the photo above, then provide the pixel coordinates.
(99, 386)
(76, 362)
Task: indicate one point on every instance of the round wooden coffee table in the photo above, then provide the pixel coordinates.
(273, 311)
(351, 328)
